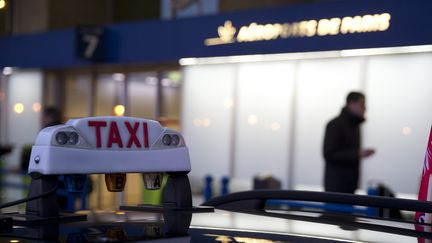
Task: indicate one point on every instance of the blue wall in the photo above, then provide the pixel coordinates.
(166, 41)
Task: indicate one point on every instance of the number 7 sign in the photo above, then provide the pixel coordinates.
(89, 43)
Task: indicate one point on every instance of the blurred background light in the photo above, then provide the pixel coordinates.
(252, 120)
(7, 70)
(228, 102)
(275, 126)
(206, 122)
(151, 80)
(119, 110)
(36, 107)
(2, 4)
(18, 108)
(120, 213)
(166, 82)
(406, 130)
(120, 77)
(197, 122)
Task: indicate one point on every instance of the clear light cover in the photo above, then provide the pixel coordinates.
(67, 138)
(61, 138)
(167, 140)
(175, 140)
(73, 138)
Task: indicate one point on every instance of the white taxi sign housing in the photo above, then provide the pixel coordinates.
(108, 145)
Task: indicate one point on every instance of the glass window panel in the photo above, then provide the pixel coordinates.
(109, 93)
(171, 96)
(24, 97)
(263, 119)
(207, 103)
(322, 86)
(399, 119)
(77, 95)
(142, 91)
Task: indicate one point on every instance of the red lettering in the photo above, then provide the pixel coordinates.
(146, 142)
(97, 125)
(133, 139)
(114, 136)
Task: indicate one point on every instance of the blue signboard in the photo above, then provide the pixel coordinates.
(325, 26)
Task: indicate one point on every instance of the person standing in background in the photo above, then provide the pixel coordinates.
(51, 116)
(342, 146)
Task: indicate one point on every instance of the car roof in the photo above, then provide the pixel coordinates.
(226, 226)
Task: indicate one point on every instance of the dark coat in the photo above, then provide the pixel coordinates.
(341, 148)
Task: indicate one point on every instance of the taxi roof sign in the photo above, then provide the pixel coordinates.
(109, 145)
(117, 132)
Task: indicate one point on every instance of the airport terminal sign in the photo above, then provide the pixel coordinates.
(323, 26)
(229, 33)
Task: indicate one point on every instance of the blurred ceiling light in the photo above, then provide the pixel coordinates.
(188, 61)
(275, 126)
(119, 110)
(2, 4)
(36, 107)
(206, 122)
(120, 77)
(7, 70)
(18, 108)
(406, 130)
(14, 241)
(252, 119)
(305, 55)
(175, 76)
(228, 102)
